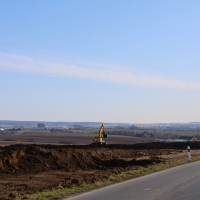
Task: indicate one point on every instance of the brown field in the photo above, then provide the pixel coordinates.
(27, 169)
(64, 139)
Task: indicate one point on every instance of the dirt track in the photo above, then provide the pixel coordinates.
(31, 168)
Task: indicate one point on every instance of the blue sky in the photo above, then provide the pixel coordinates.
(103, 60)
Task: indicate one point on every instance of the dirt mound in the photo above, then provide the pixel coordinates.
(31, 168)
(35, 159)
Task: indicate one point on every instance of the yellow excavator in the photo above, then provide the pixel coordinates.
(99, 140)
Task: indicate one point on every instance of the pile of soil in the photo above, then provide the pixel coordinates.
(34, 159)
(27, 169)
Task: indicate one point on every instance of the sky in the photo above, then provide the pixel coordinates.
(100, 61)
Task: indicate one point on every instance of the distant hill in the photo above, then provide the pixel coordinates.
(68, 124)
(96, 124)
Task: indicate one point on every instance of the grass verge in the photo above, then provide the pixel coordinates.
(61, 192)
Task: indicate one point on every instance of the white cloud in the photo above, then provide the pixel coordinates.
(95, 71)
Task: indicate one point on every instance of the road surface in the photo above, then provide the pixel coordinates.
(177, 183)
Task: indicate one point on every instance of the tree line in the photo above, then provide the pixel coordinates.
(144, 134)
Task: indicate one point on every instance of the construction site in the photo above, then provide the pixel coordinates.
(30, 167)
(27, 169)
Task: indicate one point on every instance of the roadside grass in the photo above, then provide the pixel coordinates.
(61, 192)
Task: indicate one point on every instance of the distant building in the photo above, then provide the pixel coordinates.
(1, 130)
(181, 139)
(167, 140)
(159, 140)
(187, 139)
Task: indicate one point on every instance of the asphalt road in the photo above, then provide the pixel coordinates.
(181, 182)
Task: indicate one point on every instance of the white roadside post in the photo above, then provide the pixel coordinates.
(189, 154)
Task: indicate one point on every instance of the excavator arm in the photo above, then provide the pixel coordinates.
(102, 129)
(104, 133)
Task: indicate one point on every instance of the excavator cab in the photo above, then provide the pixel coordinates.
(99, 140)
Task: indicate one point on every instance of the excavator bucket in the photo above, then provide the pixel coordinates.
(105, 135)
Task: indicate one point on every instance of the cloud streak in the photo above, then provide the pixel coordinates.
(94, 71)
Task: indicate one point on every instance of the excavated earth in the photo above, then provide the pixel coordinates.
(26, 169)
